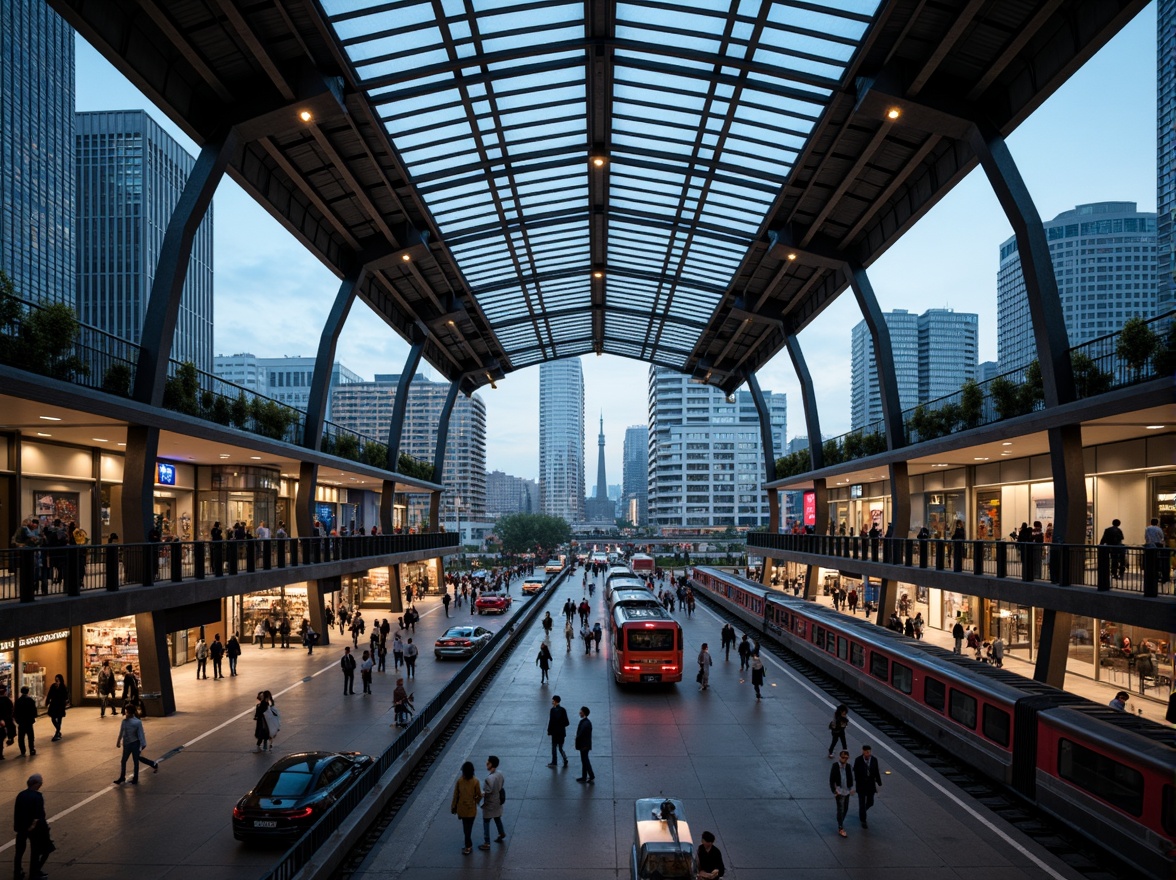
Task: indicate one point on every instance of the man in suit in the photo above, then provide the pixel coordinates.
(557, 729)
(347, 664)
(584, 746)
(868, 779)
(30, 827)
(24, 713)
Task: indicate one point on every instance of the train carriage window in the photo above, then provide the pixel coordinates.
(1102, 776)
(842, 647)
(818, 635)
(857, 655)
(1168, 810)
(830, 641)
(934, 692)
(996, 725)
(879, 666)
(800, 627)
(962, 708)
(901, 677)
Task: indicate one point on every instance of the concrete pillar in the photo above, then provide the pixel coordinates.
(154, 665)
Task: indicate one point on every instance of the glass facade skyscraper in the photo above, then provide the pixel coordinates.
(934, 354)
(130, 174)
(37, 150)
(1166, 152)
(561, 439)
(1104, 258)
(635, 479)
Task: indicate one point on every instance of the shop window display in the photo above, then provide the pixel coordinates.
(113, 640)
(273, 605)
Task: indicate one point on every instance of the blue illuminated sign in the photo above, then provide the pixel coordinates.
(165, 474)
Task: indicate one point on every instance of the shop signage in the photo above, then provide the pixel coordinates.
(810, 508)
(7, 645)
(165, 474)
(855, 491)
(42, 638)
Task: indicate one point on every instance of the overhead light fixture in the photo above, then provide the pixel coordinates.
(99, 439)
(255, 457)
(1007, 443)
(450, 322)
(406, 258)
(225, 455)
(121, 444)
(305, 116)
(50, 418)
(598, 161)
(43, 434)
(980, 458)
(1156, 427)
(597, 274)
(893, 113)
(791, 257)
(490, 379)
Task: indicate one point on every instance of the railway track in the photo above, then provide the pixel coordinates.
(1052, 835)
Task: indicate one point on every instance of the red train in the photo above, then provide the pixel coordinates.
(1109, 774)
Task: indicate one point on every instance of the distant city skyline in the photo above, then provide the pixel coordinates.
(948, 259)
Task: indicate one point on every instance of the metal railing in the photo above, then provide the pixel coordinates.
(319, 834)
(1098, 369)
(29, 573)
(1143, 570)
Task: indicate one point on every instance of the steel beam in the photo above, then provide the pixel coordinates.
(863, 291)
(400, 405)
(812, 419)
(439, 452)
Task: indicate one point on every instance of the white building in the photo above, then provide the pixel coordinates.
(561, 439)
(285, 379)
(706, 466)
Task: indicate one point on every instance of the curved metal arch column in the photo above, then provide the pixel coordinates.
(159, 330)
(812, 423)
(396, 429)
(900, 485)
(439, 451)
(1057, 374)
(765, 426)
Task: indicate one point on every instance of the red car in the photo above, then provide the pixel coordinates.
(492, 603)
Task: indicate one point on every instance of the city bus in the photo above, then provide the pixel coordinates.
(646, 644)
(642, 564)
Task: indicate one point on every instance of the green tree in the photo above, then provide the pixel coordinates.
(181, 393)
(117, 380)
(532, 532)
(1089, 380)
(971, 410)
(239, 411)
(347, 446)
(1165, 359)
(1136, 344)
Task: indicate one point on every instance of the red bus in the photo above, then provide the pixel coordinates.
(647, 644)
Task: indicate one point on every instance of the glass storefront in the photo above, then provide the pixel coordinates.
(42, 656)
(942, 511)
(236, 493)
(113, 640)
(271, 606)
(7, 665)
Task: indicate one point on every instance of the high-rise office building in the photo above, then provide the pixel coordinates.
(366, 408)
(37, 151)
(507, 494)
(706, 465)
(130, 174)
(934, 354)
(285, 379)
(635, 475)
(1104, 258)
(561, 439)
(1165, 153)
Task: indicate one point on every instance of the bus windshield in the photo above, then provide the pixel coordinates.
(651, 639)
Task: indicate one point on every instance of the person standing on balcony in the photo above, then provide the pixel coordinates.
(1153, 536)
(1112, 538)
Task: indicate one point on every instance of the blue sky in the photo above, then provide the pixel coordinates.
(1094, 140)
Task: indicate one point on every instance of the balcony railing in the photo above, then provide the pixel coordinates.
(104, 362)
(1142, 570)
(29, 573)
(1098, 368)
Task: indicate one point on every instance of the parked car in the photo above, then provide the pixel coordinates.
(663, 847)
(534, 583)
(294, 793)
(492, 602)
(461, 641)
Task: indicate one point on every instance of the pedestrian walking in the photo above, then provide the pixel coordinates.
(841, 784)
(7, 725)
(868, 779)
(445, 601)
(586, 635)
(366, 664)
(347, 664)
(998, 649)
(727, 640)
(401, 703)
(851, 599)
(259, 632)
(957, 633)
(201, 659)
(467, 794)
(583, 745)
(704, 668)
(106, 688)
(130, 691)
(24, 713)
(543, 661)
(397, 652)
(548, 623)
(382, 658)
(55, 700)
(216, 651)
(744, 654)
(284, 631)
(757, 674)
(233, 651)
(837, 728)
(493, 797)
(266, 721)
(132, 739)
(597, 635)
(411, 652)
(309, 639)
(31, 827)
(557, 729)
(569, 634)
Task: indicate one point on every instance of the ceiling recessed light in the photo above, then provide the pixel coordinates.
(1007, 443)
(980, 458)
(50, 418)
(598, 161)
(792, 256)
(122, 444)
(406, 258)
(255, 457)
(43, 434)
(893, 113)
(305, 116)
(99, 439)
(1006, 453)
(597, 274)
(225, 455)
(1155, 427)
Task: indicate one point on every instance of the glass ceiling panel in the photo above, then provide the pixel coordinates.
(486, 104)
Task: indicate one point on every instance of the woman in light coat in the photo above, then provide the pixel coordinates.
(467, 793)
